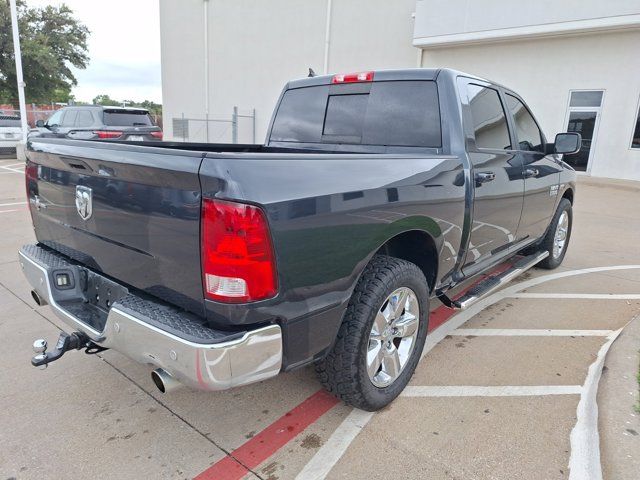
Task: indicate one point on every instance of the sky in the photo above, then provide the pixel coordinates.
(124, 48)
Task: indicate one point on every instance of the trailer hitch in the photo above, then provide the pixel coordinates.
(66, 342)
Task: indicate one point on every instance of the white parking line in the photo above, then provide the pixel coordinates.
(9, 211)
(324, 460)
(12, 170)
(586, 296)
(330, 453)
(13, 164)
(497, 391)
(528, 332)
(12, 203)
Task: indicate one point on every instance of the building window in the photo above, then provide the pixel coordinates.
(586, 98)
(635, 141)
(352, 195)
(489, 121)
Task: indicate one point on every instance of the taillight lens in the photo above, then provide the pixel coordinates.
(108, 134)
(353, 77)
(31, 179)
(238, 263)
(157, 135)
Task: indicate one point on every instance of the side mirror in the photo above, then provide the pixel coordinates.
(567, 143)
(40, 123)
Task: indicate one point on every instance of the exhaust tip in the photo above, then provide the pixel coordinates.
(36, 298)
(164, 381)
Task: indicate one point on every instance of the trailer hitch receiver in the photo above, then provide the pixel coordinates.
(66, 342)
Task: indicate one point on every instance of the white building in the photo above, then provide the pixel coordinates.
(575, 62)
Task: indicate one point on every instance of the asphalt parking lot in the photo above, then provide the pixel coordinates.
(505, 390)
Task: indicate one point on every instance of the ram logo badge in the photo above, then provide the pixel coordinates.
(84, 202)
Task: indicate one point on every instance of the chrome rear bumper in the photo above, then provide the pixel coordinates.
(220, 361)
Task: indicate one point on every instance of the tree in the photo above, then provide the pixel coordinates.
(52, 41)
(105, 100)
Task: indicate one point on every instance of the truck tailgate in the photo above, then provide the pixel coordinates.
(134, 216)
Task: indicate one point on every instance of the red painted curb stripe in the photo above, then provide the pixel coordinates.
(271, 439)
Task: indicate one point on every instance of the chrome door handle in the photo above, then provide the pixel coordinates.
(531, 172)
(484, 177)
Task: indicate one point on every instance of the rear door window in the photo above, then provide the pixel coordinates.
(85, 119)
(489, 120)
(69, 119)
(393, 113)
(127, 118)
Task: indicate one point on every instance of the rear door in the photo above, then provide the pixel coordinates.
(497, 174)
(541, 172)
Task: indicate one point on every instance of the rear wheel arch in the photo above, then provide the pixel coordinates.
(417, 247)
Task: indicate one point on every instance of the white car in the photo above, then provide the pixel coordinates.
(10, 134)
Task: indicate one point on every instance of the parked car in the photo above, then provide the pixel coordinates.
(376, 197)
(93, 122)
(10, 134)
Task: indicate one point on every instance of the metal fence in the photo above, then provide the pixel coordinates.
(239, 127)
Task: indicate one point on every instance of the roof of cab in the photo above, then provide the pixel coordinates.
(386, 75)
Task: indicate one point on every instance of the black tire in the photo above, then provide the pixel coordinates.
(547, 243)
(343, 371)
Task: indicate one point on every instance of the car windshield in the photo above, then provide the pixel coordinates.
(9, 121)
(127, 118)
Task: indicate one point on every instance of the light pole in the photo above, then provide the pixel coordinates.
(16, 50)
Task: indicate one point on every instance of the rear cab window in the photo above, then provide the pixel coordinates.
(403, 113)
(127, 118)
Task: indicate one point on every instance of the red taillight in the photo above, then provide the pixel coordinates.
(238, 264)
(353, 77)
(108, 134)
(157, 135)
(31, 178)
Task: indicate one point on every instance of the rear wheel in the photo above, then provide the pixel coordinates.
(381, 337)
(556, 240)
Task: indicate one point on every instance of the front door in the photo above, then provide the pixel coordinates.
(541, 172)
(497, 174)
(583, 117)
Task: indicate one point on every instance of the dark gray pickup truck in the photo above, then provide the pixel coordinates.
(376, 197)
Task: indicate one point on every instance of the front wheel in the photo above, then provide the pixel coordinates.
(381, 337)
(556, 240)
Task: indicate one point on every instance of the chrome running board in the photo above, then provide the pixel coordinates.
(490, 284)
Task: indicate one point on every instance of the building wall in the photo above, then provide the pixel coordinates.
(256, 46)
(544, 70)
(455, 20)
